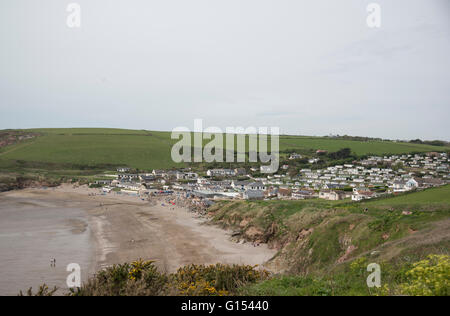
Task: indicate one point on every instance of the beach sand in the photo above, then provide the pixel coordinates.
(123, 228)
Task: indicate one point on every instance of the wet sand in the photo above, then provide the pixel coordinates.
(71, 225)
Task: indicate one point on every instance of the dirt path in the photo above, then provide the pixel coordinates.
(15, 148)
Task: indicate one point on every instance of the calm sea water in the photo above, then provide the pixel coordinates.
(32, 232)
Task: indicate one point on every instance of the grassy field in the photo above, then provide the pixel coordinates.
(428, 197)
(148, 150)
(358, 147)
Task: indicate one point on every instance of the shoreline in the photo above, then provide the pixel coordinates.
(124, 228)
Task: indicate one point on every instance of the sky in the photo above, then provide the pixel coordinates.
(307, 67)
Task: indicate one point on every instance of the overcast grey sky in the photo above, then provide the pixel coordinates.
(309, 67)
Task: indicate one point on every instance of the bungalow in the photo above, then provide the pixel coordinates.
(271, 192)
(265, 169)
(295, 156)
(172, 174)
(403, 186)
(259, 186)
(239, 185)
(362, 195)
(429, 182)
(202, 181)
(147, 178)
(333, 186)
(253, 195)
(190, 176)
(219, 172)
(159, 173)
(131, 186)
(412, 184)
(240, 172)
(331, 195)
(284, 193)
(126, 177)
(303, 194)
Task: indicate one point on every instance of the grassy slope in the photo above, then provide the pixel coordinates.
(315, 235)
(318, 240)
(96, 146)
(148, 150)
(423, 198)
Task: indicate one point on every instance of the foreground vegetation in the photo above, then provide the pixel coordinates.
(141, 278)
(428, 277)
(324, 248)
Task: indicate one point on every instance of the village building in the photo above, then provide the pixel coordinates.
(360, 195)
(239, 185)
(331, 195)
(127, 177)
(253, 195)
(220, 173)
(255, 186)
(284, 193)
(303, 194)
(240, 172)
(295, 156)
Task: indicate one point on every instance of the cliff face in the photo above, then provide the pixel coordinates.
(18, 183)
(11, 137)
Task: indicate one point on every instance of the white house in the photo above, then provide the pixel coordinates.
(359, 195)
(295, 156)
(255, 186)
(331, 195)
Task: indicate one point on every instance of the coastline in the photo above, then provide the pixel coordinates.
(124, 228)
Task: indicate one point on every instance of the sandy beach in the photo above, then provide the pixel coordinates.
(117, 228)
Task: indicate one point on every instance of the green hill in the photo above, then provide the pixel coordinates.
(105, 148)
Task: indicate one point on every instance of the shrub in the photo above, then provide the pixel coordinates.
(429, 277)
(141, 278)
(216, 279)
(42, 291)
(138, 278)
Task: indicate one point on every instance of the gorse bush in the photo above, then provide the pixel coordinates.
(359, 266)
(141, 278)
(42, 291)
(429, 277)
(138, 278)
(216, 279)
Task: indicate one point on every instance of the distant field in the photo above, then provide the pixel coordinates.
(96, 146)
(358, 147)
(147, 149)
